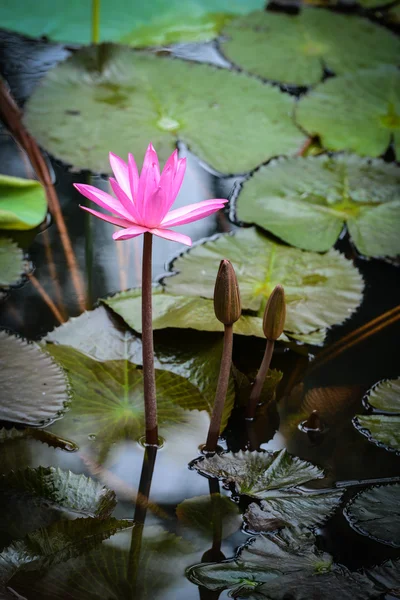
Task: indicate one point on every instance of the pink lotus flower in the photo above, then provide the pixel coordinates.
(143, 203)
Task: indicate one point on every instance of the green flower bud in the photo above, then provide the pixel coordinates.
(275, 314)
(227, 305)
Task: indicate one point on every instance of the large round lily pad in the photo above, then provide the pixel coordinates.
(112, 98)
(23, 203)
(294, 49)
(305, 202)
(127, 21)
(366, 109)
(375, 512)
(382, 426)
(33, 386)
(320, 290)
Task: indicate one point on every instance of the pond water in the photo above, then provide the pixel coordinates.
(185, 522)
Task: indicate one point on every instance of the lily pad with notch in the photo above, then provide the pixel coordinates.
(366, 106)
(382, 424)
(295, 49)
(23, 203)
(306, 201)
(375, 512)
(100, 94)
(34, 387)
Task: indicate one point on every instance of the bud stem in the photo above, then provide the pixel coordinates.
(259, 382)
(149, 382)
(222, 388)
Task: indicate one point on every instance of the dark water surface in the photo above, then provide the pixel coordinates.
(109, 267)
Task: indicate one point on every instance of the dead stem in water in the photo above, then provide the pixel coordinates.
(47, 299)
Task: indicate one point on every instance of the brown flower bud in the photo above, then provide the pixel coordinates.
(275, 314)
(227, 305)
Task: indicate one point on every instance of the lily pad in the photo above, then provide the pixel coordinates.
(34, 387)
(107, 400)
(23, 203)
(205, 513)
(100, 336)
(386, 576)
(280, 566)
(135, 23)
(375, 512)
(294, 49)
(35, 498)
(98, 96)
(57, 543)
(320, 290)
(13, 266)
(366, 106)
(382, 426)
(306, 201)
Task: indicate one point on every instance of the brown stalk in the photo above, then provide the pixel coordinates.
(53, 271)
(305, 147)
(355, 337)
(12, 117)
(149, 382)
(47, 299)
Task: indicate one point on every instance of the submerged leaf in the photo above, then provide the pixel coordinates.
(375, 512)
(23, 203)
(34, 387)
(126, 91)
(294, 49)
(383, 426)
(366, 106)
(12, 264)
(204, 514)
(306, 201)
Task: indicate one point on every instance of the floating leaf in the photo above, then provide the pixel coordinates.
(382, 429)
(98, 335)
(257, 473)
(107, 400)
(58, 543)
(12, 264)
(386, 576)
(321, 290)
(204, 513)
(294, 49)
(135, 23)
(280, 566)
(305, 202)
(34, 498)
(375, 512)
(34, 387)
(23, 203)
(366, 106)
(121, 91)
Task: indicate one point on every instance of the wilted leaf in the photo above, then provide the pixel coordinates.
(126, 91)
(33, 386)
(306, 201)
(366, 106)
(294, 49)
(375, 512)
(23, 203)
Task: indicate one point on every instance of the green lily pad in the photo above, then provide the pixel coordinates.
(97, 97)
(305, 202)
(13, 266)
(321, 290)
(107, 400)
(57, 543)
(100, 336)
(135, 23)
(294, 49)
(280, 566)
(366, 106)
(34, 387)
(203, 513)
(382, 426)
(375, 512)
(23, 203)
(35, 498)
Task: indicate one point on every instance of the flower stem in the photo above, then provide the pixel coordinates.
(222, 387)
(259, 382)
(95, 21)
(149, 383)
